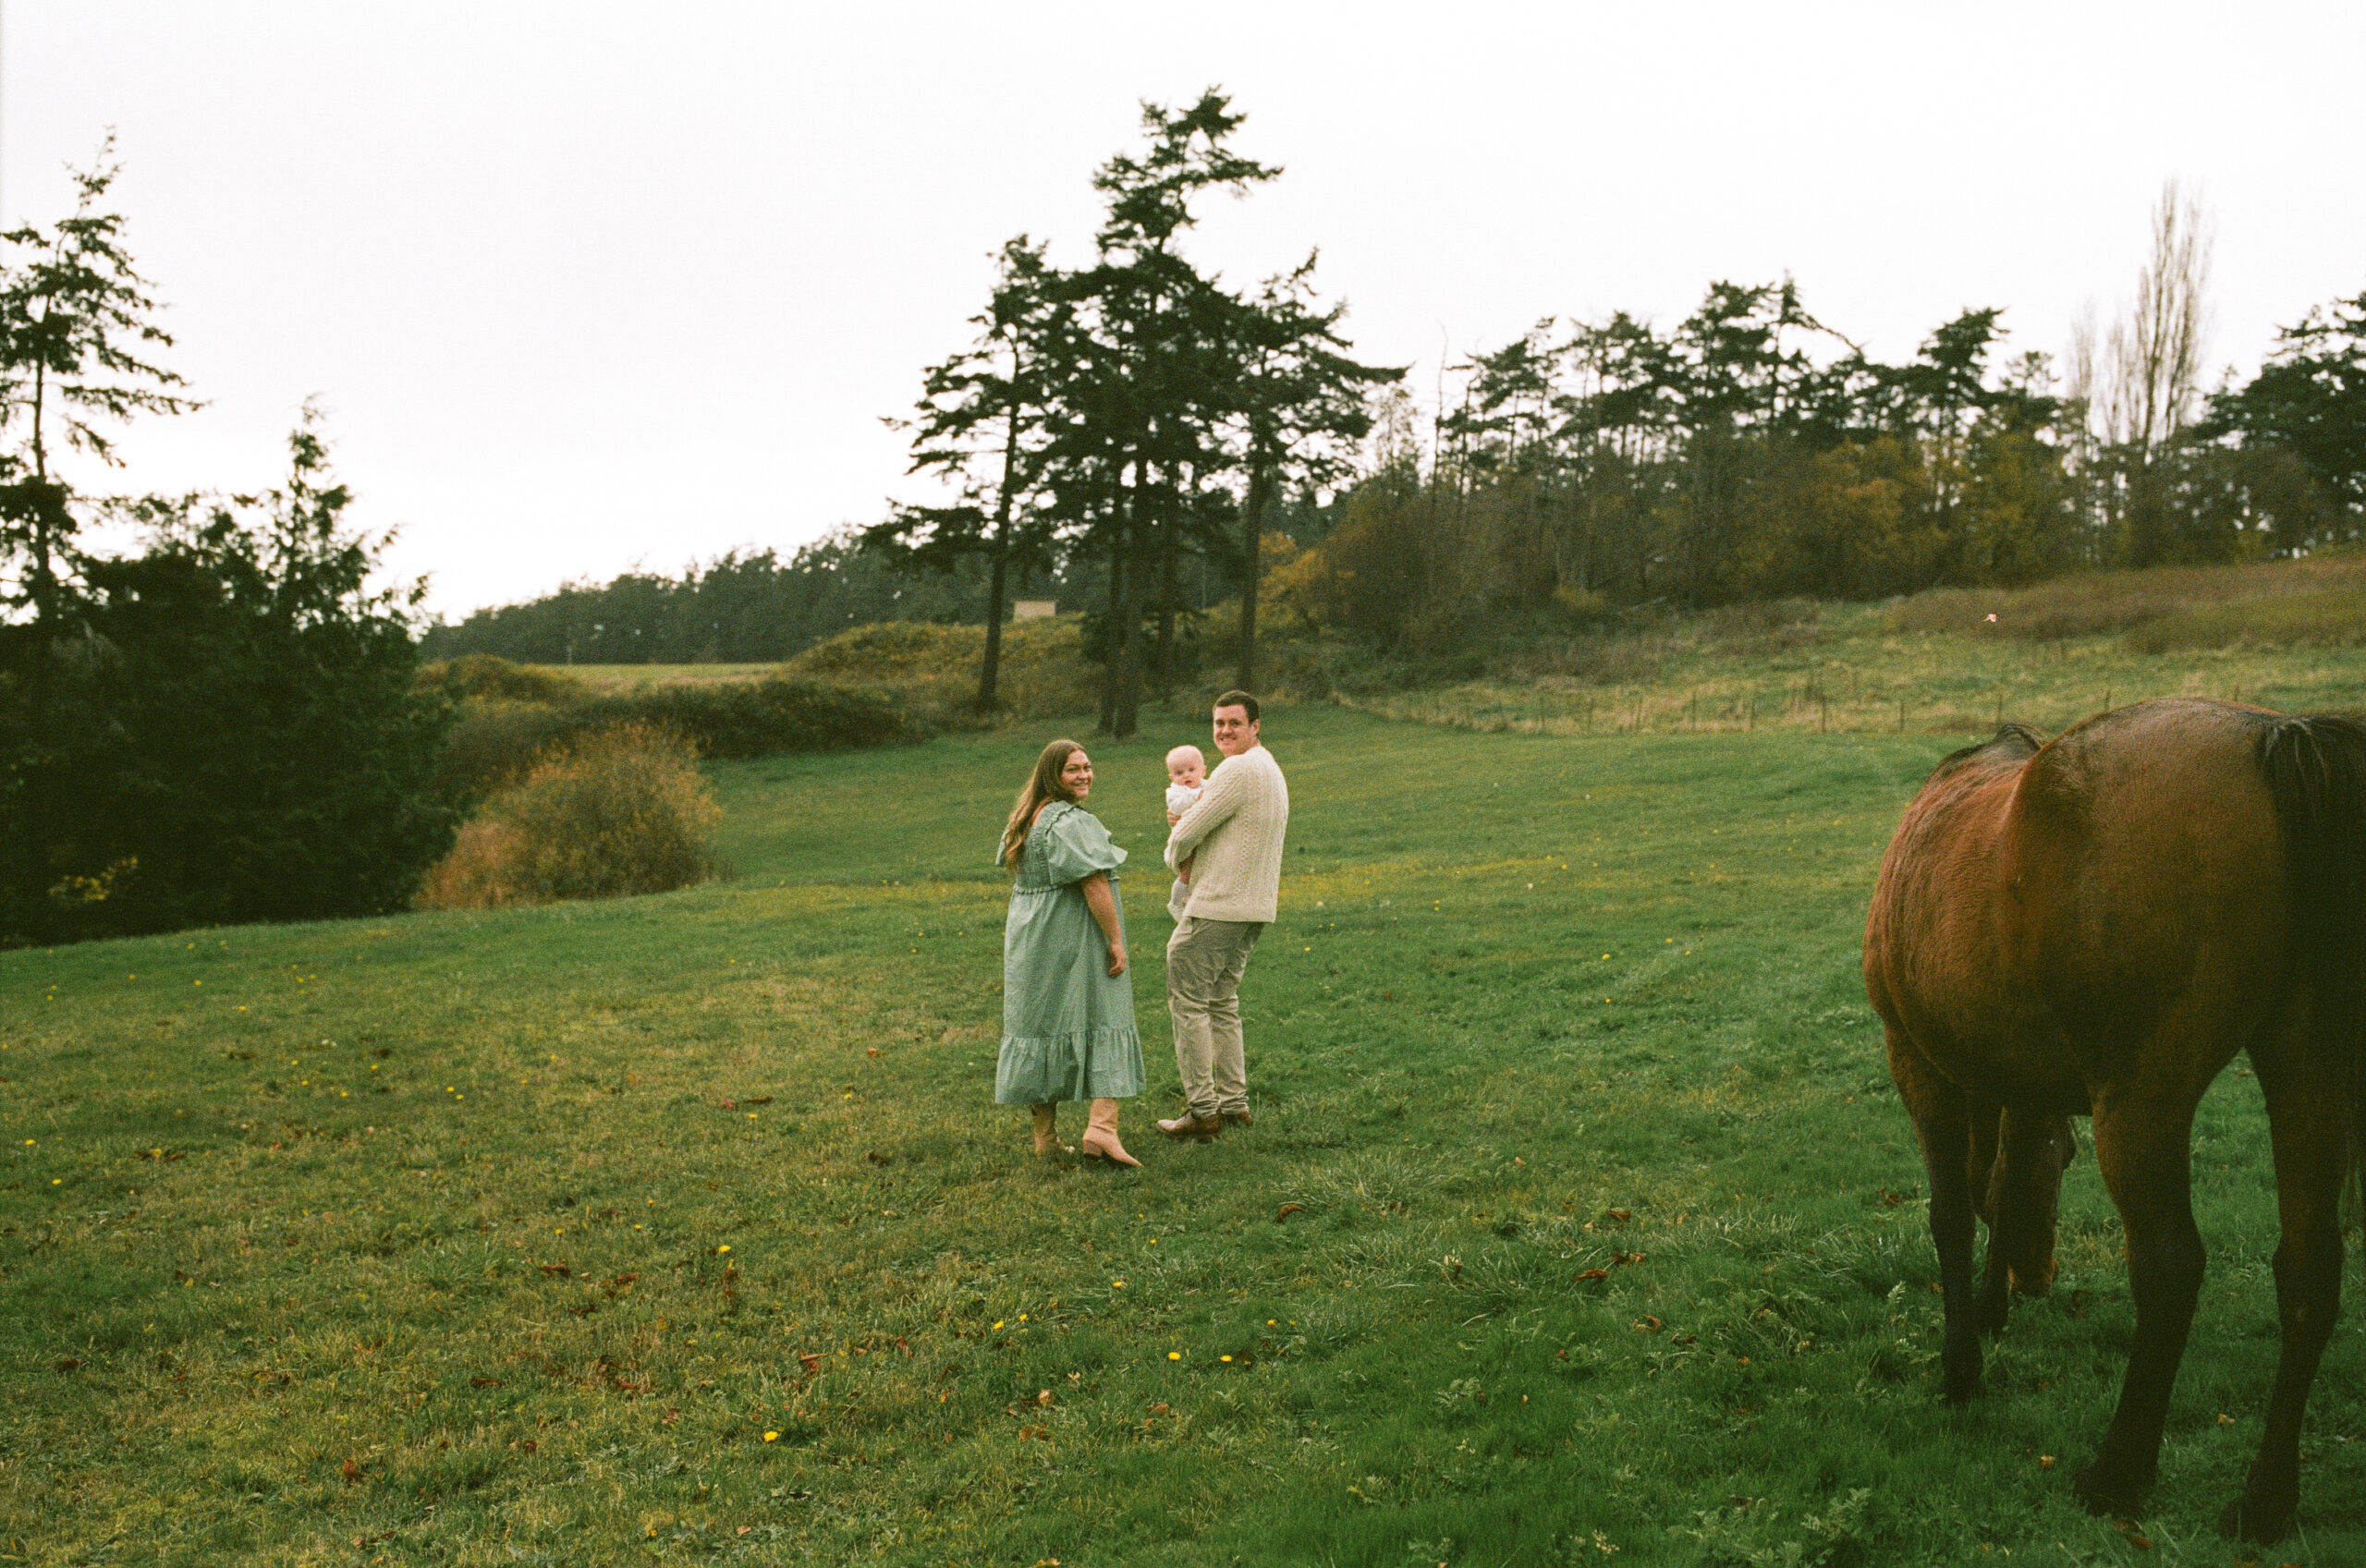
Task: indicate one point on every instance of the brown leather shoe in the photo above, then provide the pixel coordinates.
(1238, 1118)
(1189, 1126)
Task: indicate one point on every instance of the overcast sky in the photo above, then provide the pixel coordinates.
(589, 286)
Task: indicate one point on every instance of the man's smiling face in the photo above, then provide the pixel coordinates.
(1236, 733)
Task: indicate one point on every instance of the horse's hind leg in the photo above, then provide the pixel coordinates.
(2143, 1148)
(1988, 1179)
(2305, 1118)
(2024, 1195)
(1942, 1126)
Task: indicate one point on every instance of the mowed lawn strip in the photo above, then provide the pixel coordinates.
(1579, 1214)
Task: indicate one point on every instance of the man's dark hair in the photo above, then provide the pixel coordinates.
(1240, 700)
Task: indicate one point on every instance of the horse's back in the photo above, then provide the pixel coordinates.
(1939, 936)
(2129, 873)
(2149, 866)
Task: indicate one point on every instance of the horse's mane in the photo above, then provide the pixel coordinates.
(2018, 739)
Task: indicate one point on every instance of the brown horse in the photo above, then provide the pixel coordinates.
(2095, 927)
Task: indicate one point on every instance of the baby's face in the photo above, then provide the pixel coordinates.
(1187, 771)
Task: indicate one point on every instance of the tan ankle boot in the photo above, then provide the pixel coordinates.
(1101, 1134)
(1047, 1137)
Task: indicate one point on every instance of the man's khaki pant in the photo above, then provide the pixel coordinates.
(1204, 960)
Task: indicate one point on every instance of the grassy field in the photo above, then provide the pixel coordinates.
(1852, 669)
(610, 680)
(2288, 633)
(1579, 1223)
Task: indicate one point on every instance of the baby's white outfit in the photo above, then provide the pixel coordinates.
(1179, 800)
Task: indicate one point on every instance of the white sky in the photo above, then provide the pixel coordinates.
(588, 285)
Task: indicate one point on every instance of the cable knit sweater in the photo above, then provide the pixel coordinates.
(1233, 838)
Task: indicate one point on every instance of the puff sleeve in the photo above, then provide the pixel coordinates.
(1076, 846)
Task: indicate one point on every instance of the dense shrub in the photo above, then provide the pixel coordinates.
(489, 679)
(758, 718)
(510, 714)
(224, 729)
(612, 814)
(933, 669)
(493, 743)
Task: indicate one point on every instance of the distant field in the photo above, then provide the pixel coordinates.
(1579, 1225)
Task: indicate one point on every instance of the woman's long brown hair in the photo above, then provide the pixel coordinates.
(1042, 785)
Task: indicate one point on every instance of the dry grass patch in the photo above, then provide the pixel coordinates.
(2330, 617)
(2091, 603)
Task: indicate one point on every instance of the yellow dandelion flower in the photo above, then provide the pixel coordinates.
(1175, 1356)
(1224, 1358)
(771, 1437)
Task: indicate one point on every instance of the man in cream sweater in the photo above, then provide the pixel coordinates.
(1233, 838)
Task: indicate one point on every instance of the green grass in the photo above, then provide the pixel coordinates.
(444, 1199)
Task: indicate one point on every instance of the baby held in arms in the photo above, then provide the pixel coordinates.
(1187, 776)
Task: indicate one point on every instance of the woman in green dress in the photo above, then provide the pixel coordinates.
(1068, 1002)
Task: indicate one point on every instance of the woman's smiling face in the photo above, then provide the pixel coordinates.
(1076, 775)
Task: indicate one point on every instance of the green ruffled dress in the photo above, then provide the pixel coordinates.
(1067, 1024)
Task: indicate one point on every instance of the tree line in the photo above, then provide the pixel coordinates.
(1130, 431)
(1752, 452)
(746, 606)
(1134, 413)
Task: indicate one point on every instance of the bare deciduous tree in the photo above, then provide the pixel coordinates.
(2151, 369)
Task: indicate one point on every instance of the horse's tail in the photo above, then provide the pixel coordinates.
(2316, 772)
